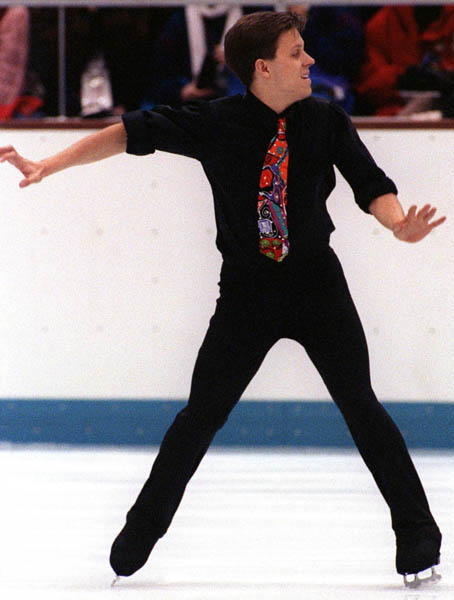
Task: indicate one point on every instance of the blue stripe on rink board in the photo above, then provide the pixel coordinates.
(252, 423)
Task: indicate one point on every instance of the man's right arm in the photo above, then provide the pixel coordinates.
(97, 146)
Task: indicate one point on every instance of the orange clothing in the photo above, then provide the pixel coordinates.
(393, 43)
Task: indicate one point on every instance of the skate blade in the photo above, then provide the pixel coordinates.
(434, 577)
(116, 580)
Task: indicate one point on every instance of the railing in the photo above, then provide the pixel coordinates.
(165, 3)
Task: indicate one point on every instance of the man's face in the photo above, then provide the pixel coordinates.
(289, 69)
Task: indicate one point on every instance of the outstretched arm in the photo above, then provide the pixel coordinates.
(410, 227)
(102, 144)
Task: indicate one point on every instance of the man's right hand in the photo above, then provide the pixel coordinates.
(32, 171)
(106, 142)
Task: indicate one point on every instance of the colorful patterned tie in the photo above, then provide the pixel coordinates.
(272, 200)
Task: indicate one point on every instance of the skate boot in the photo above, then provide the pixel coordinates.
(133, 545)
(416, 553)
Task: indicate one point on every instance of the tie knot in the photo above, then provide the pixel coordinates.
(281, 125)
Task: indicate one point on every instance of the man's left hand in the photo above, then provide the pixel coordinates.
(416, 225)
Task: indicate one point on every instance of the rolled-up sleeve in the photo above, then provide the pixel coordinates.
(355, 162)
(166, 129)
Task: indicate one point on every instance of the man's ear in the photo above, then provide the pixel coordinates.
(261, 67)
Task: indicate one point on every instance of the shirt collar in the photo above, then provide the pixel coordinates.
(264, 113)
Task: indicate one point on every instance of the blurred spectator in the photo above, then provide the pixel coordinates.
(14, 45)
(334, 37)
(88, 85)
(104, 50)
(408, 48)
(43, 56)
(365, 13)
(129, 38)
(188, 61)
(122, 36)
(111, 46)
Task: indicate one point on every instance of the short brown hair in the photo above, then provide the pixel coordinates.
(255, 36)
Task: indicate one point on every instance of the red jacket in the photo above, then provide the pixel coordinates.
(393, 43)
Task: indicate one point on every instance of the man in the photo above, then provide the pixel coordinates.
(279, 277)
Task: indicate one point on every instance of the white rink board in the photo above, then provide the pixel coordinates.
(108, 277)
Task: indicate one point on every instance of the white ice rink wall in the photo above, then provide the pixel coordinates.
(108, 277)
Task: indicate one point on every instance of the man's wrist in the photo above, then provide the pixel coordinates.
(397, 226)
(44, 167)
(388, 211)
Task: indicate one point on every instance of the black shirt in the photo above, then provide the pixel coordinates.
(230, 137)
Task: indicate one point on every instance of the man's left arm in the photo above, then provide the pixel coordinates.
(411, 227)
(374, 192)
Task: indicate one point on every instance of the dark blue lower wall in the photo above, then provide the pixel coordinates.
(252, 423)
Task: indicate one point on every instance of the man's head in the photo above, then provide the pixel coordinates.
(265, 50)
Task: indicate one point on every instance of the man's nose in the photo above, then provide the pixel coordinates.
(308, 60)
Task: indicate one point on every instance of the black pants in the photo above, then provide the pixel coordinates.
(309, 303)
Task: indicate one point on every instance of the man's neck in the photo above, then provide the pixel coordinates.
(271, 100)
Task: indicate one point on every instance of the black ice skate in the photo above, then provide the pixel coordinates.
(416, 554)
(132, 546)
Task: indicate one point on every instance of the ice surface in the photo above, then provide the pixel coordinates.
(269, 524)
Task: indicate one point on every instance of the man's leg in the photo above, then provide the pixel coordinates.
(232, 352)
(333, 337)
